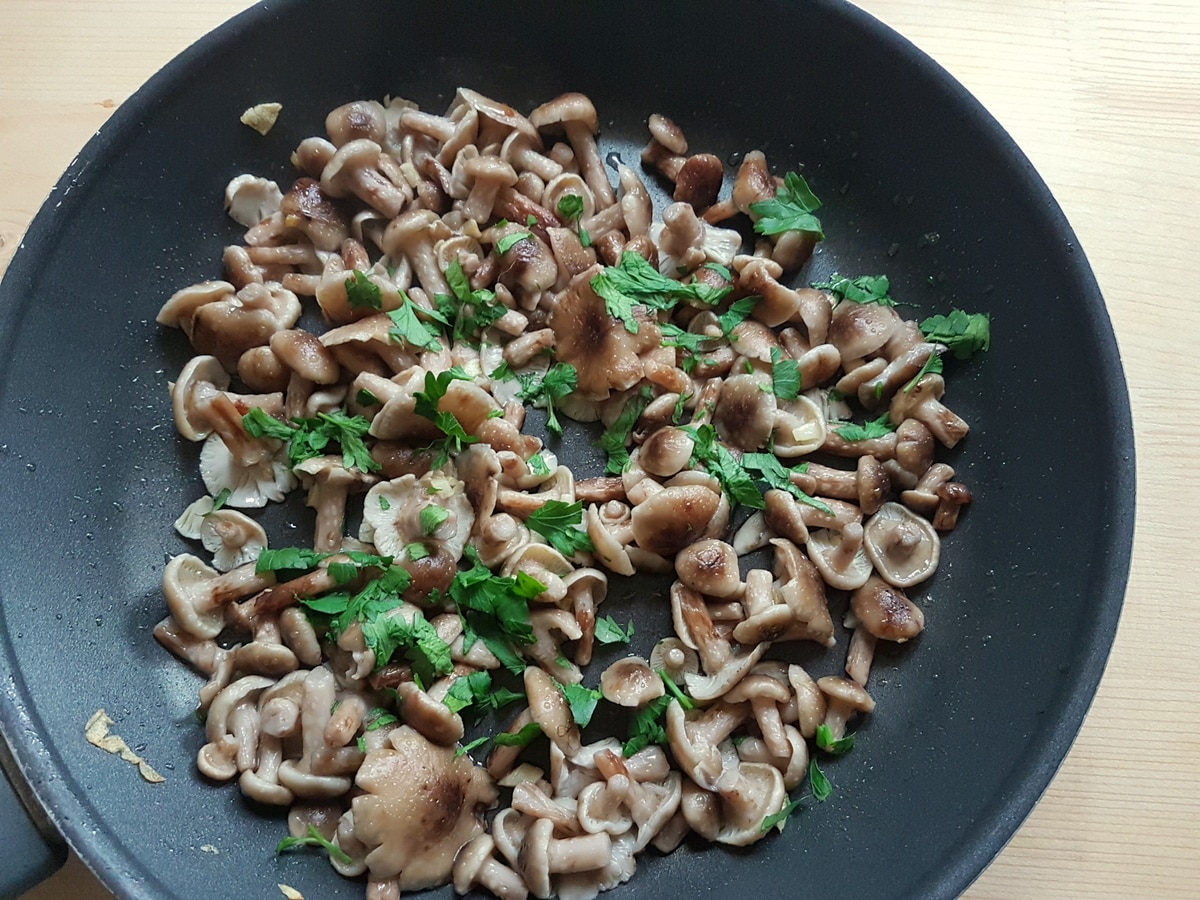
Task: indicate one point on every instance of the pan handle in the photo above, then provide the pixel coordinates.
(30, 848)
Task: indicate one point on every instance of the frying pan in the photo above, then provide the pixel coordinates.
(918, 181)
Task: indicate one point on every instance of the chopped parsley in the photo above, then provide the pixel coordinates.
(431, 517)
(736, 314)
(868, 431)
(495, 610)
(609, 632)
(964, 334)
(791, 209)
(506, 243)
(362, 293)
(826, 741)
(465, 311)
(558, 381)
(645, 728)
(711, 455)
(570, 206)
(220, 500)
(933, 366)
(819, 786)
(476, 693)
(582, 701)
(615, 439)
(427, 406)
(863, 289)
(557, 521)
(409, 328)
(785, 376)
(777, 475)
(634, 281)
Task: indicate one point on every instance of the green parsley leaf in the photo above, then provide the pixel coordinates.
(221, 499)
(868, 431)
(570, 206)
(427, 405)
(378, 718)
(791, 209)
(585, 239)
(635, 281)
(557, 382)
(416, 552)
(645, 728)
(432, 516)
(506, 243)
(275, 559)
(428, 653)
(582, 701)
(615, 439)
(777, 819)
(314, 838)
(531, 220)
(821, 788)
(467, 690)
(965, 334)
(407, 327)
(715, 458)
(676, 691)
(366, 398)
(863, 289)
(557, 521)
(826, 742)
(736, 314)
(495, 609)
(609, 632)
(362, 292)
(327, 604)
(259, 425)
(537, 464)
(471, 745)
(775, 474)
(680, 406)
(785, 376)
(721, 270)
(521, 738)
(467, 312)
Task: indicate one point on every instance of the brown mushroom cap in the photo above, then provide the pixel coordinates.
(630, 682)
(859, 329)
(673, 518)
(710, 567)
(745, 412)
(886, 612)
(305, 355)
(420, 804)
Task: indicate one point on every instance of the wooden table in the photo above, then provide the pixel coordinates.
(1104, 97)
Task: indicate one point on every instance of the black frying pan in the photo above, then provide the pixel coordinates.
(918, 181)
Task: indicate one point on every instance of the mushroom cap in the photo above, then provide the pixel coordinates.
(490, 169)
(710, 567)
(392, 514)
(800, 427)
(859, 329)
(232, 537)
(886, 611)
(421, 804)
(630, 682)
(672, 518)
(249, 199)
(180, 308)
(822, 547)
(675, 658)
(903, 546)
(843, 690)
(250, 487)
(603, 352)
(569, 107)
(184, 582)
(745, 413)
(666, 451)
(202, 377)
(360, 119)
(305, 355)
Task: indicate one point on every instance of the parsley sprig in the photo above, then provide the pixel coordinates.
(791, 209)
(314, 838)
(465, 311)
(633, 281)
(863, 289)
(558, 522)
(309, 438)
(964, 334)
(427, 406)
(557, 382)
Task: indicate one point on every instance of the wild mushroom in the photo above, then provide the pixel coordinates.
(674, 658)
(412, 235)
(229, 749)
(886, 612)
(921, 401)
(841, 559)
(673, 518)
(394, 517)
(766, 618)
(359, 168)
(603, 352)
(867, 485)
(329, 482)
(254, 473)
(249, 199)
(314, 213)
(746, 411)
(299, 775)
(543, 855)
(197, 595)
(799, 584)
(228, 327)
(846, 698)
(474, 866)
(421, 804)
(630, 682)
(710, 567)
(575, 115)
(903, 547)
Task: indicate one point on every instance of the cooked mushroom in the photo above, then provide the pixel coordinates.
(197, 595)
(673, 518)
(233, 538)
(329, 482)
(574, 114)
(250, 199)
(921, 401)
(630, 682)
(845, 699)
(886, 612)
(903, 547)
(421, 804)
(710, 567)
(841, 559)
(474, 866)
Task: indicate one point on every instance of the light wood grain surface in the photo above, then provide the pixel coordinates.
(1104, 97)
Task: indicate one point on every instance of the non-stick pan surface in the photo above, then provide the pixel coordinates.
(918, 182)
